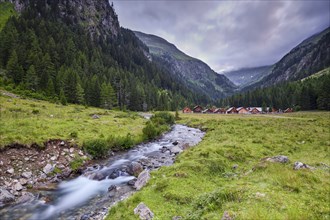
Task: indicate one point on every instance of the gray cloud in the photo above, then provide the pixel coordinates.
(228, 34)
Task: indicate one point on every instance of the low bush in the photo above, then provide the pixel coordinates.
(97, 148)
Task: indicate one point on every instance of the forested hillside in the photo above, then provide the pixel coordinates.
(70, 51)
(307, 94)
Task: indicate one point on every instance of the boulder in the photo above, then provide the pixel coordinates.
(97, 176)
(299, 165)
(144, 212)
(235, 166)
(5, 196)
(175, 143)
(95, 116)
(48, 168)
(176, 150)
(11, 171)
(278, 159)
(26, 197)
(18, 186)
(142, 179)
(226, 216)
(111, 188)
(22, 181)
(27, 175)
(135, 169)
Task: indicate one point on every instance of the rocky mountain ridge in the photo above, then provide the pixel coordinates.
(194, 73)
(98, 17)
(307, 58)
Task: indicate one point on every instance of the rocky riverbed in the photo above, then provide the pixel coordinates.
(99, 186)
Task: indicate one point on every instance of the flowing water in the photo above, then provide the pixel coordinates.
(89, 196)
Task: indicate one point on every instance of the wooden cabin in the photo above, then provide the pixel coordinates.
(232, 110)
(220, 111)
(186, 110)
(273, 110)
(242, 110)
(198, 109)
(288, 110)
(255, 110)
(207, 111)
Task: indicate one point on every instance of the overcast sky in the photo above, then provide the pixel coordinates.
(228, 34)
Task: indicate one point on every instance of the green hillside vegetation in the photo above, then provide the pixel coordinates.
(27, 121)
(202, 184)
(45, 52)
(6, 11)
(311, 93)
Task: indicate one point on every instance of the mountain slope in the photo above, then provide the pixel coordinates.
(192, 72)
(75, 51)
(247, 76)
(309, 57)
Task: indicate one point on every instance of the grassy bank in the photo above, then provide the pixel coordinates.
(31, 121)
(203, 184)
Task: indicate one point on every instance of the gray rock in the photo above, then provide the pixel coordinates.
(71, 150)
(1, 163)
(97, 176)
(22, 181)
(27, 175)
(95, 116)
(299, 165)
(53, 158)
(62, 143)
(278, 159)
(175, 143)
(142, 179)
(144, 212)
(226, 216)
(135, 168)
(235, 166)
(176, 150)
(176, 218)
(111, 188)
(26, 197)
(5, 196)
(11, 171)
(48, 168)
(18, 187)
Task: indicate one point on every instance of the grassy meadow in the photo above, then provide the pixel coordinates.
(202, 184)
(27, 121)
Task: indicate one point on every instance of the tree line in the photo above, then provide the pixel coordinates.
(308, 94)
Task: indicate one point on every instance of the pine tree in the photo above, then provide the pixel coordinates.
(63, 99)
(32, 80)
(50, 90)
(15, 71)
(80, 95)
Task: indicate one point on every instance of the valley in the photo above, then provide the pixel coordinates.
(98, 121)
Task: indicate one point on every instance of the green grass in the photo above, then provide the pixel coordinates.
(6, 11)
(31, 121)
(202, 183)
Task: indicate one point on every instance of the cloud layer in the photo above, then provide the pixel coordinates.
(228, 34)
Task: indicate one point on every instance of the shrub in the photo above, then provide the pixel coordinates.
(74, 134)
(150, 131)
(35, 111)
(166, 116)
(97, 148)
(76, 163)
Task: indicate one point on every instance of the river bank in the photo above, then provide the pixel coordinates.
(103, 184)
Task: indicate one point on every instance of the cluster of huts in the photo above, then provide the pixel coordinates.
(234, 110)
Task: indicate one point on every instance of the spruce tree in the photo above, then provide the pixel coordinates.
(31, 79)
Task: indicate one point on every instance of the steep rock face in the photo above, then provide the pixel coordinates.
(192, 72)
(309, 57)
(98, 17)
